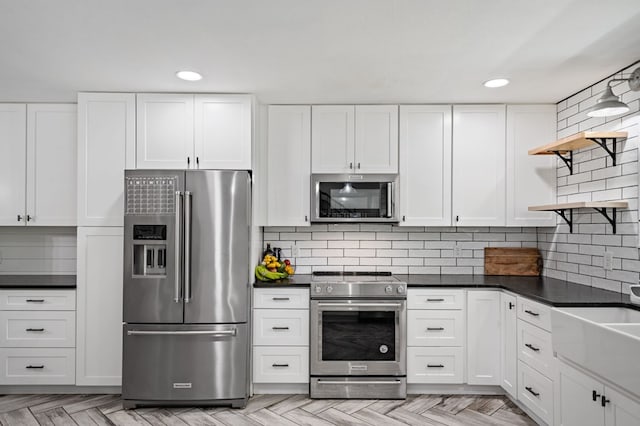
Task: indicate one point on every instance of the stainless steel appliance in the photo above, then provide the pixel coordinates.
(358, 337)
(354, 198)
(186, 280)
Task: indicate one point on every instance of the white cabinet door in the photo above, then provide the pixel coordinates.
(164, 131)
(576, 404)
(479, 165)
(621, 411)
(376, 142)
(99, 307)
(333, 139)
(223, 132)
(288, 165)
(531, 180)
(106, 147)
(425, 165)
(13, 162)
(483, 337)
(509, 353)
(51, 164)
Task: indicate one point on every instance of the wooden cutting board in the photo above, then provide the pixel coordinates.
(512, 261)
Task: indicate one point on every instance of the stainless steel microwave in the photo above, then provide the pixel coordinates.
(354, 198)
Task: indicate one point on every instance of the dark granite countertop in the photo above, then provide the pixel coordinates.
(546, 290)
(37, 281)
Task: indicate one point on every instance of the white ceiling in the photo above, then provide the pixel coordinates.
(320, 51)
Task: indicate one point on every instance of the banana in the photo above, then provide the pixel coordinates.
(263, 274)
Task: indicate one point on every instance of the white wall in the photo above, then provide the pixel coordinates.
(37, 250)
(578, 257)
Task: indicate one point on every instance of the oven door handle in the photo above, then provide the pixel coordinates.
(359, 382)
(359, 305)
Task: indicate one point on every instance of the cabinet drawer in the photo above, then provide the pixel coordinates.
(37, 300)
(278, 364)
(435, 365)
(37, 366)
(534, 313)
(29, 329)
(534, 348)
(281, 298)
(435, 299)
(535, 391)
(435, 328)
(272, 327)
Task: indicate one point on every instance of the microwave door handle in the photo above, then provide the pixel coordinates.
(177, 247)
(389, 199)
(317, 198)
(187, 246)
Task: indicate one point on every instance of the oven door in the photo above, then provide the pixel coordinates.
(354, 198)
(358, 337)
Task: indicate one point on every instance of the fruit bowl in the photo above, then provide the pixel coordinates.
(271, 269)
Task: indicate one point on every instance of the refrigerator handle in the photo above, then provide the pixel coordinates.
(187, 246)
(176, 296)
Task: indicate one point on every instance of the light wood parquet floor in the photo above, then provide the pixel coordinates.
(270, 410)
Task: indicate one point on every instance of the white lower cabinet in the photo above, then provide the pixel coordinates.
(435, 328)
(535, 391)
(483, 337)
(41, 329)
(281, 336)
(583, 400)
(534, 348)
(435, 365)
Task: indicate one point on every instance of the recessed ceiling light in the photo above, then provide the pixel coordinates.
(189, 75)
(496, 82)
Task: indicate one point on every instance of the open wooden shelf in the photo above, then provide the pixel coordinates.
(580, 140)
(600, 206)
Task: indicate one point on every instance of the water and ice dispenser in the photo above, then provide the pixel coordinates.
(149, 250)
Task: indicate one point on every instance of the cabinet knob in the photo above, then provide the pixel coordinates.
(457, 218)
(604, 401)
(198, 162)
(29, 218)
(511, 305)
(188, 162)
(19, 218)
(306, 219)
(351, 165)
(404, 218)
(595, 395)
(358, 165)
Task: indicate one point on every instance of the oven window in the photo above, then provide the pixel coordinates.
(358, 336)
(353, 199)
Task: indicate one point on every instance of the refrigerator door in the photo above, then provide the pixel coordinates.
(198, 363)
(153, 264)
(217, 246)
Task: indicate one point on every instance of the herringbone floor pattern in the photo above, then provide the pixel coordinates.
(270, 410)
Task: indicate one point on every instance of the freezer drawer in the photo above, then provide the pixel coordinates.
(174, 363)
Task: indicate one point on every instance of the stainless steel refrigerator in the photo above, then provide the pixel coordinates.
(186, 281)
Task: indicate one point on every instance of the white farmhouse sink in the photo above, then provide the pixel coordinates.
(603, 340)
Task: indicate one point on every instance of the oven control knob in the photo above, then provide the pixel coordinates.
(384, 349)
(318, 289)
(388, 289)
(329, 289)
(400, 289)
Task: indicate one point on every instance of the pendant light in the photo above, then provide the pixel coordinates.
(610, 104)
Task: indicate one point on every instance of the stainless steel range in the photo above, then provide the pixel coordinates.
(358, 336)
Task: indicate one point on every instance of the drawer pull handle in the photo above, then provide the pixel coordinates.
(595, 395)
(435, 328)
(535, 314)
(532, 392)
(34, 329)
(533, 348)
(35, 366)
(435, 300)
(280, 298)
(279, 365)
(604, 401)
(279, 328)
(435, 366)
(35, 300)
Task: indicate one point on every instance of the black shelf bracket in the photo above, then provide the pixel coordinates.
(611, 219)
(569, 160)
(563, 214)
(603, 144)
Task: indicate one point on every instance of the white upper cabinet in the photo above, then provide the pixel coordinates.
(355, 139)
(164, 131)
(509, 353)
(333, 139)
(376, 140)
(425, 165)
(531, 180)
(106, 147)
(223, 132)
(182, 131)
(51, 164)
(479, 165)
(288, 165)
(13, 161)
(38, 164)
(483, 337)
